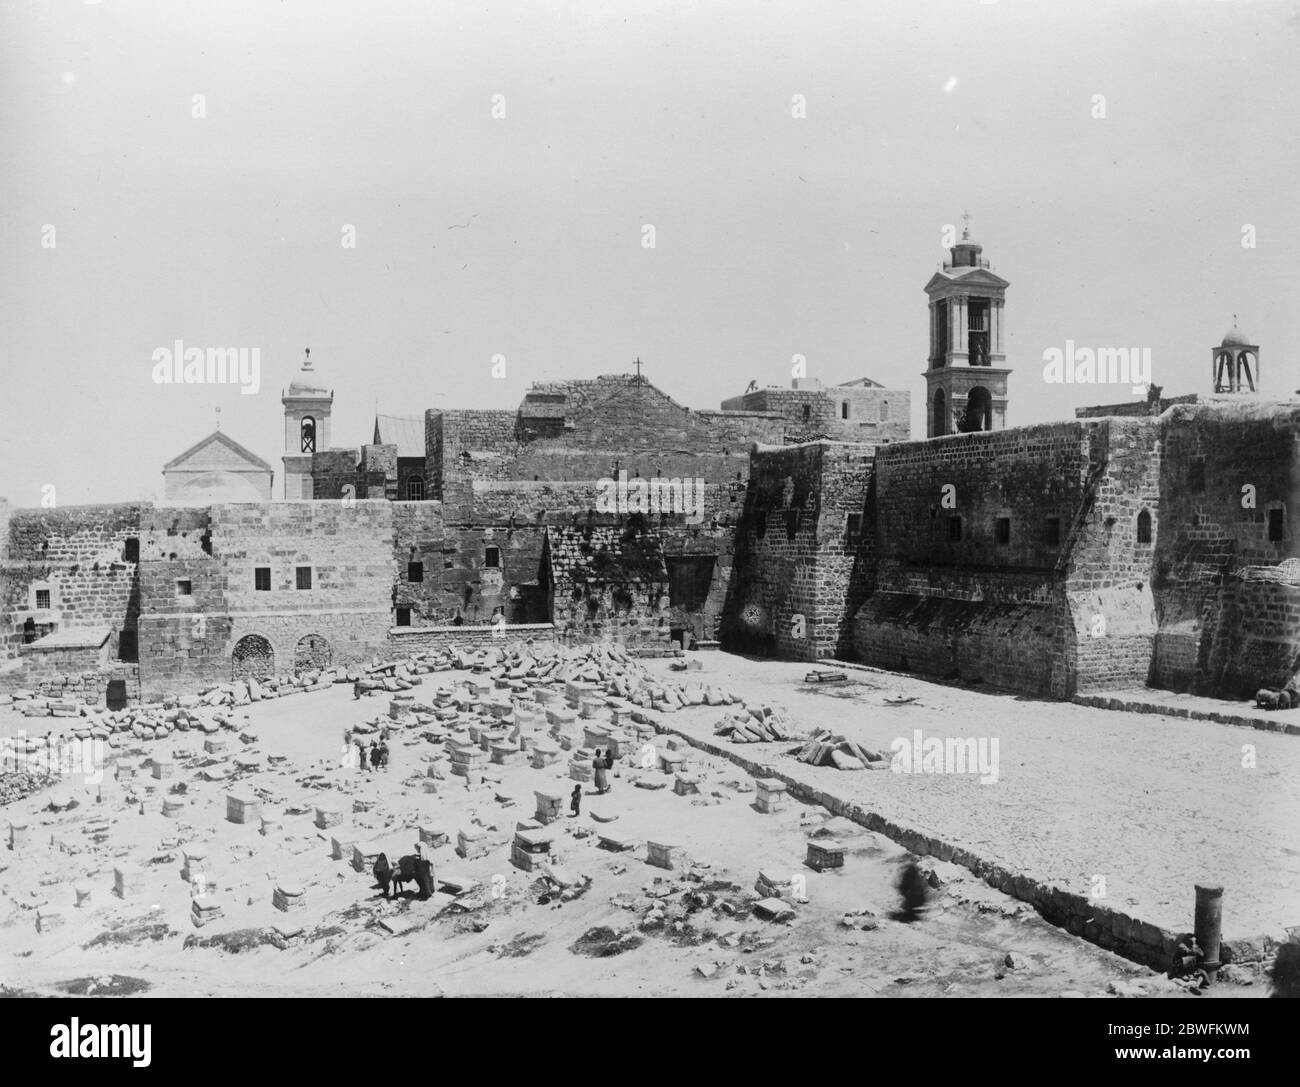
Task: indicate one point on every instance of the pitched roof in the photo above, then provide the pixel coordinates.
(404, 431)
(225, 440)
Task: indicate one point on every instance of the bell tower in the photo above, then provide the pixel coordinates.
(1236, 362)
(966, 375)
(307, 407)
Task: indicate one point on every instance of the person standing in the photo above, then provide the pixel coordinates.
(423, 873)
(598, 765)
(575, 800)
(361, 754)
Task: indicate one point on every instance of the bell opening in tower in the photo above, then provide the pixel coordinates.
(940, 353)
(978, 331)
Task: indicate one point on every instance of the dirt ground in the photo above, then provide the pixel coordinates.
(512, 935)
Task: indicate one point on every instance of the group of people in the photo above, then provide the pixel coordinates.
(374, 757)
(600, 765)
(414, 867)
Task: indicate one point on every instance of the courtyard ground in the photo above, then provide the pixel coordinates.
(1153, 804)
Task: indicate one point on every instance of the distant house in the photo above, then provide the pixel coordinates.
(217, 469)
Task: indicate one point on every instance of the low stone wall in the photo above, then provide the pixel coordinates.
(1134, 939)
(1141, 705)
(90, 688)
(422, 639)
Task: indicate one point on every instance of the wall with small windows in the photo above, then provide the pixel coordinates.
(1227, 556)
(991, 546)
(68, 568)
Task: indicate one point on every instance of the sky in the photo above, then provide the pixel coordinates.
(182, 171)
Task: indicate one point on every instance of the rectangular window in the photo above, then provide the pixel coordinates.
(184, 588)
(1275, 524)
(1002, 530)
(1196, 475)
(403, 617)
(262, 579)
(131, 550)
(303, 575)
(42, 598)
(127, 646)
(954, 529)
(853, 529)
(807, 412)
(415, 489)
(415, 571)
(1053, 532)
(492, 557)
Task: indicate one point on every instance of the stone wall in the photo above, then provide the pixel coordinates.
(190, 640)
(1011, 557)
(79, 554)
(813, 411)
(795, 561)
(1228, 596)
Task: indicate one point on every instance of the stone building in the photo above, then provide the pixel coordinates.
(1147, 542)
(217, 469)
(861, 410)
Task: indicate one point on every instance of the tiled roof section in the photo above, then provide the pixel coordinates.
(605, 555)
(402, 431)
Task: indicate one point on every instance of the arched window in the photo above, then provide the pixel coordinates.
(940, 425)
(308, 431)
(415, 489)
(844, 410)
(1144, 527)
(884, 411)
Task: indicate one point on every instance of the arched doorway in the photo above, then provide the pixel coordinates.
(253, 658)
(940, 424)
(979, 409)
(311, 654)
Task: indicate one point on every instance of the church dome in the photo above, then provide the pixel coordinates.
(1234, 337)
(308, 382)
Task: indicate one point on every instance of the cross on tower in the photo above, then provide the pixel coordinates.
(306, 362)
(638, 369)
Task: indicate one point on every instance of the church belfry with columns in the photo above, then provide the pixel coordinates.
(966, 375)
(307, 407)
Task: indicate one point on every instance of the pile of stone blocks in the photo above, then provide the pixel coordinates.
(665, 855)
(505, 753)
(686, 784)
(243, 808)
(545, 754)
(432, 837)
(19, 836)
(531, 847)
(467, 760)
(173, 807)
(195, 864)
(128, 881)
(471, 843)
(288, 898)
(770, 795)
(550, 807)
(327, 817)
(205, 910)
(824, 853)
